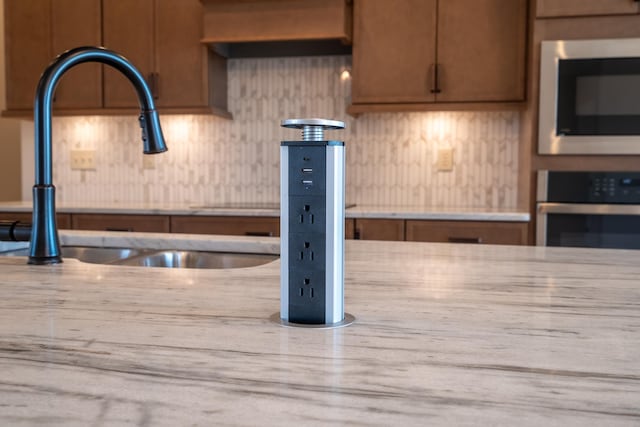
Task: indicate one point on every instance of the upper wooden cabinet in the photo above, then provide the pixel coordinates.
(412, 54)
(229, 21)
(37, 31)
(561, 8)
(160, 37)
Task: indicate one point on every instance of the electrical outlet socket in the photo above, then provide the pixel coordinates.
(83, 159)
(307, 234)
(445, 159)
(148, 161)
(307, 277)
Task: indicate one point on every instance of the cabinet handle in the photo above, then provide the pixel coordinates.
(118, 229)
(259, 233)
(465, 239)
(434, 70)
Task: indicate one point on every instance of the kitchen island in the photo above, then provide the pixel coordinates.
(444, 335)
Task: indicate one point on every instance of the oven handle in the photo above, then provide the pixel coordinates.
(587, 209)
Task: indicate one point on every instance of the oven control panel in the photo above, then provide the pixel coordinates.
(593, 187)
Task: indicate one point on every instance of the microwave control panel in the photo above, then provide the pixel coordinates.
(594, 187)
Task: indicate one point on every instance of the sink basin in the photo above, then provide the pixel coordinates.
(195, 259)
(157, 258)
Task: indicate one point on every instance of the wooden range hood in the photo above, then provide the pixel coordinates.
(237, 28)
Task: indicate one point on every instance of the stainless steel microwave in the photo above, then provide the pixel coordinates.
(589, 97)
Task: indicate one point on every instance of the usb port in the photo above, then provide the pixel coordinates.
(307, 170)
(307, 182)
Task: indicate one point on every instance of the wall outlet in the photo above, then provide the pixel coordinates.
(444, 160)
(148, 161)
(83, 159)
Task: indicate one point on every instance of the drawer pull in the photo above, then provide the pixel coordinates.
(465, 239)
(118, 229)
(259, 233)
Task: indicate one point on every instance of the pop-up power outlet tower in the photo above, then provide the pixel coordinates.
(312, 205)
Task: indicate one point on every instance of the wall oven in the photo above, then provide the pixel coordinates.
(589, 97)
(588, 209)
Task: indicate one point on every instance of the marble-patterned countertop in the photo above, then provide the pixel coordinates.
(272, 209)
(444, 335)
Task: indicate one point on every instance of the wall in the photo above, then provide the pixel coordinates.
(390, 157)
(9, 135)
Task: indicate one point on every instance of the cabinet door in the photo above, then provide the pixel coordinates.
(481, 50)
(27, 31)
(502, 233)
(555, 8)
(379, 229)
(77, 23)
(141, 223)
(128, 28)
(393, 51)
(349, 228)
(62, 220)
(180, 59)
(226, 225)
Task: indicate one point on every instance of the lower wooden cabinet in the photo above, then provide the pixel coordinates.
(349, 228)
(379, 229)
(491, 232)
(62, 219)
(229, 225)
(111, 222)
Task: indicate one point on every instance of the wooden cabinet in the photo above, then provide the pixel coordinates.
(160, 37)
(379, 229)
(349, 228)
(109, 222)
(36, 32)
(491, 232)
(228, 225)
(558, 8)
(408, 54)
(76, 23)
(276, 20)
(63, 220)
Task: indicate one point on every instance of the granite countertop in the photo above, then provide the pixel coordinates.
(444, 335)
(272, 209)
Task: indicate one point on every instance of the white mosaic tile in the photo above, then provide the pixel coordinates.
(391, 157)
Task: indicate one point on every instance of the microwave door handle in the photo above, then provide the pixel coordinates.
(587, 209)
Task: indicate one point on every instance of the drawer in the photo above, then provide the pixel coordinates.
(108, 222)
(379, 229)
(226, 225)
(492, 232)
(62, 219)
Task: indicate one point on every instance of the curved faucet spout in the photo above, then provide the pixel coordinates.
(45, 244)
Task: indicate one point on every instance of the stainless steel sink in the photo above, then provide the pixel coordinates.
(195, 259)
(157, 258)
(90, 254)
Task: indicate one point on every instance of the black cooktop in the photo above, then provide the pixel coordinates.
(249, 205)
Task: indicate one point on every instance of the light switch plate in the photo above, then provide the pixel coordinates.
(83, 159)
(445, 159)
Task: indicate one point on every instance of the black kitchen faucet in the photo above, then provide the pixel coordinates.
(45, 244)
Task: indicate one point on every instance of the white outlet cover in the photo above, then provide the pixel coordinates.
(83, 159)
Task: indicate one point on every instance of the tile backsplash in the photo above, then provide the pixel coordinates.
(391, 157)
